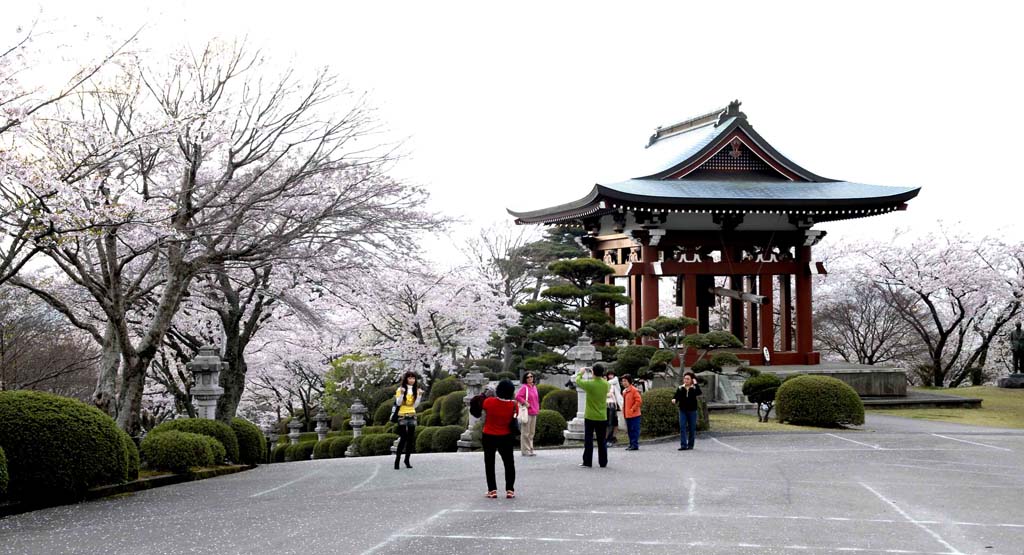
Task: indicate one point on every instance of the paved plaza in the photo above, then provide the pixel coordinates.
(911, 487)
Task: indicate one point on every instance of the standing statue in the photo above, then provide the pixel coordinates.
(1017, 348)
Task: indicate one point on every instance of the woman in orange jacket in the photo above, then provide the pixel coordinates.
(631, 411)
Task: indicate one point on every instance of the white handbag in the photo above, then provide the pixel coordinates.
(524, 416)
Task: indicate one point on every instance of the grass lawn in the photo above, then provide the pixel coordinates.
(1000, 408)
(739, 422)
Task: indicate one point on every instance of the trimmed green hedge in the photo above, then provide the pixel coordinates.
(217, 450)
(3, 473)
(659, 416)
(339, 445)
(279, 452)
(425, 439)
(177, 451)
(252, 444)
(376, 444)
(544, 389)
(818, 401)
(550, 426)
(131, 470)
(562, 401)
(443, 387)
(300, 451)
(446, 438)
(57, 447)
(383, 412)
(204, 426)
(452, 406)
(322, 450)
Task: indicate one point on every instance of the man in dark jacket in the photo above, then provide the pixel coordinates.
(685, 400)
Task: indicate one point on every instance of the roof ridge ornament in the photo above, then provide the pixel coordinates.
(731, 111)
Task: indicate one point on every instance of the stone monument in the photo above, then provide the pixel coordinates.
(1016, 377)
(583, 354)
(206, 368)
(321, 425)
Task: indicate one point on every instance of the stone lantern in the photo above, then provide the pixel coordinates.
(206, 369)
(321, 425)
(582, 354)
(295, 425)
(268, 432)
(357, 422)
(474, 381)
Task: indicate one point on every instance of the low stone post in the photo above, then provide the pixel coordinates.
(582, 354)
(321, 425)
(357, 422)
(474, 381)
(295, 425)
(206, 369)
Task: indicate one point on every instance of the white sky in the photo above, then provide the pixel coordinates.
(524, 105)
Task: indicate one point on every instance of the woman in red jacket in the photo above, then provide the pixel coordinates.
(631, 411)
(497, 436)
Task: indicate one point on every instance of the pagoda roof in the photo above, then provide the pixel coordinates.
(717, 162)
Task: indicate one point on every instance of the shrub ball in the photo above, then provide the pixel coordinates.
(452, 406)
(252, 444)
(544, 389)
(550, 426)
(446, 439)
(323, 448)
(338, 446)
(818, 401)
(56, 447)
(131, 471)
(425, 439)
(382, 414)
(659, 417)
(204, 426)
(176, 451)
(562, 401)
(300, 451)
(444, 387)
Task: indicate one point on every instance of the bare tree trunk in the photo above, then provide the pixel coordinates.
(105, 395)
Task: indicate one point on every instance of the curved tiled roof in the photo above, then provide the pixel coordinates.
(670, 180)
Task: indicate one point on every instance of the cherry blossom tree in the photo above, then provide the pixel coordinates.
(423, 320)
(200, 162)
(958, 292)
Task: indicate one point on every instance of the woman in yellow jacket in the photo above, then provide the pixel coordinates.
(407, 398)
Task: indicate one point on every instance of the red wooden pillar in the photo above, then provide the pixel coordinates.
(736, 309)
(786, 311)
(804, 330)
(649, 285)
(636, 295)
(690, 300)
(767, 314)
(751, 319)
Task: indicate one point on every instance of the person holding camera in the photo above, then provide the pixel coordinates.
(685, 399)
(407, 398)
(631, 411)
(595, 417)
(498, 437)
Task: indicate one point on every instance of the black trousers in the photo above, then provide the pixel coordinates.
(590, 428)
(503, 445)
(406, 437)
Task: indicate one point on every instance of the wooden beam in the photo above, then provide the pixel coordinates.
(709, 268)
(745, 297)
